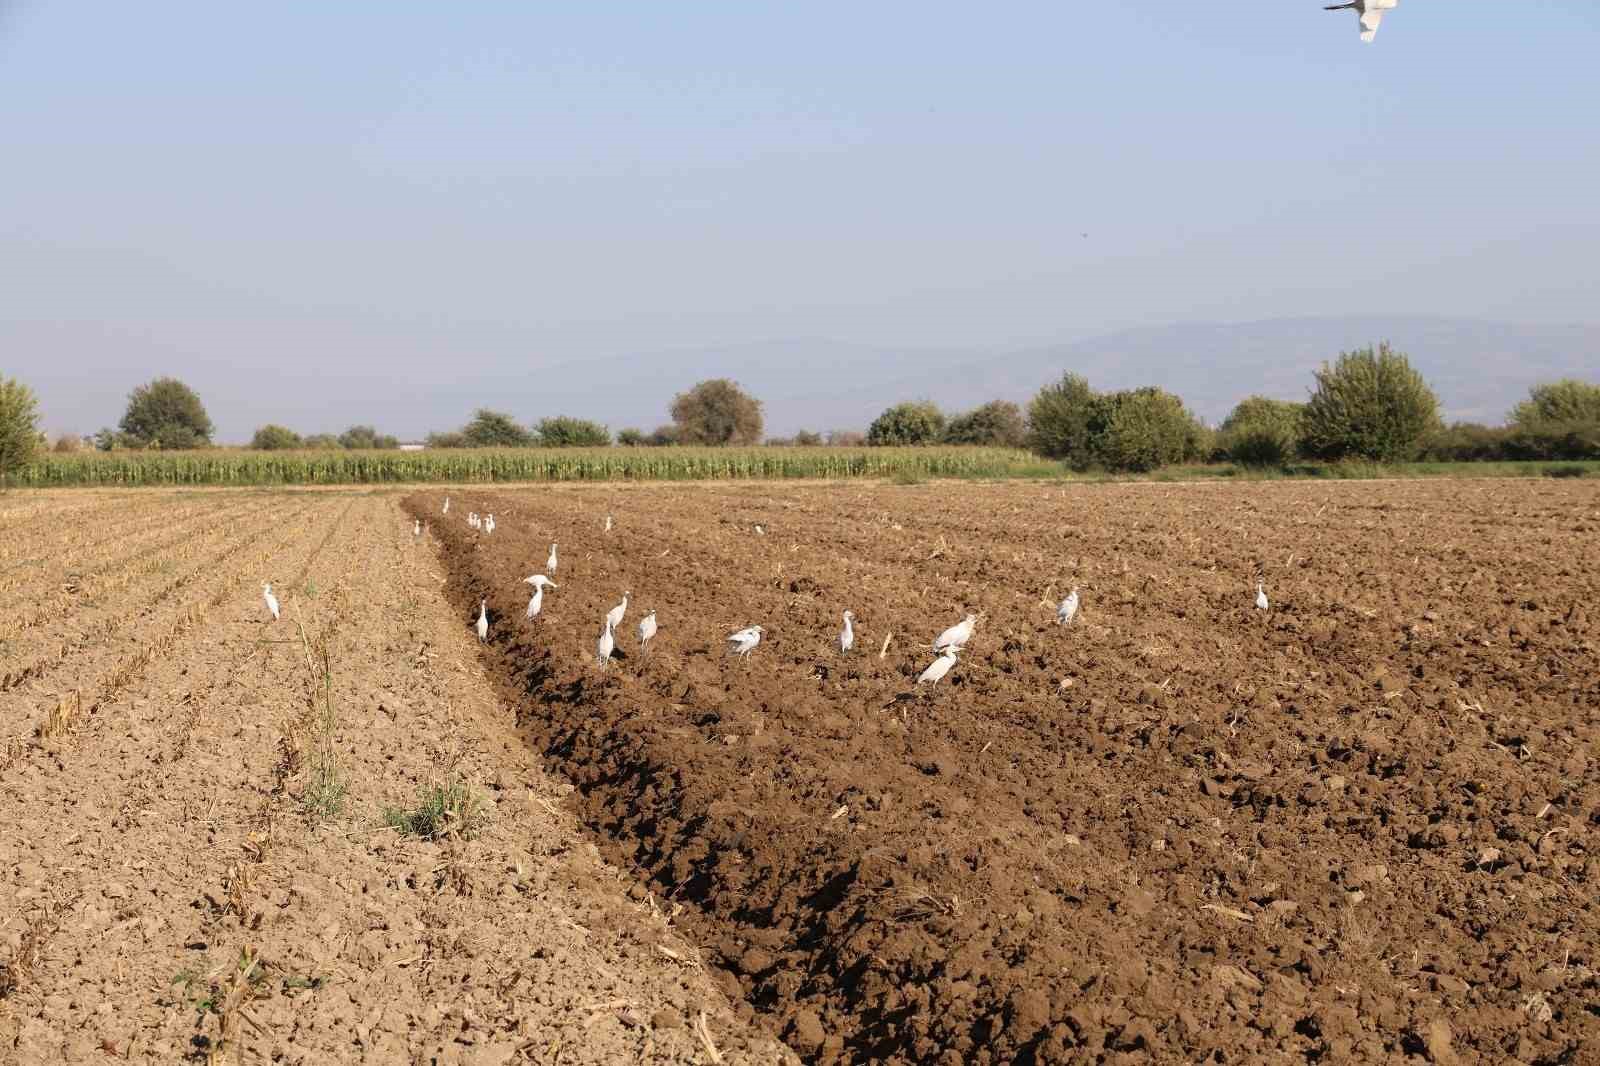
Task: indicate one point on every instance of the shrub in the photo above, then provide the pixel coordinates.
(68, 443)
(846, 438)
(1565, 402)
(493, 429)
(1141, 430)
(362, 438)
(166, 413)
(19, 426)
(272, 438)
(1262, 432)
(322, 442)
(632, 438)
(1058, 420)
(906, 423)
(564, 432)
(1371, 405)
(452, 439)
(717, 412)
(1554, 440)
(662, 436)
(1464, 442)
(998, 423)
(807, 439)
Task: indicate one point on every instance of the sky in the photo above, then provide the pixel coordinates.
(325, 213)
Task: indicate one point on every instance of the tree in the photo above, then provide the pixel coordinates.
(998, 423)
(1263, 432)
(1058, 420)
(19, 426)
(1564, 402)
(364, 438)
(1141, 429)
(67, 443)
(632, 438)
(906, 423)
(322, 442)
(1370, 404)
(717, 412)
(493, 429)
(565, 432)
(663, 436)
(451, 439)
(273, 438)
(846, 438)
(805, 438)
(166, 413)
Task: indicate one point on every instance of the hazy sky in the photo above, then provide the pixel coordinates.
(308, 209)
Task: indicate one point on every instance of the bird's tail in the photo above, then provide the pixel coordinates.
(1340, 7)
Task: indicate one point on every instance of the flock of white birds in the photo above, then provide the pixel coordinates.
(948, 644)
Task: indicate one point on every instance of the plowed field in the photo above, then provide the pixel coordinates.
(1356, 827)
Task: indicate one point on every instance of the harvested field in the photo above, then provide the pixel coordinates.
(1358, 827)
(197, 861)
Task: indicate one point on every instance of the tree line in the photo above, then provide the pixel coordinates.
(1369, 404)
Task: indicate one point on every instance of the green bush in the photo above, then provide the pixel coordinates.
(365, 438)
(1554, 440)
(906, 423)
(805, 438)
(564, 432)
(1464, 442)
(1141, 430)
(716, 412)
(1262, 432)
(326, 442)
(1058, 420)
(1370, 404)
(997, 423)
(451, 439)
(632, 438)
(274, 438)
(1567, 402)
(493, 429)
(19, 426)
(166, 413)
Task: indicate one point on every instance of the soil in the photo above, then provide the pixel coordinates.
(166, 893)
(1356, 827)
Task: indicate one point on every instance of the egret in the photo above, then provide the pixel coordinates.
(536, 601)
(760, 532)
(446, 506)
(1068, 609)
(1261, 597)
(488, 526)
(607, 644)
(1371, 12)
(271, 600)
(615, 615)
(539, 580)
(957, 635)
(647, 630)
(483, 621)
(416, 527)
(939, 666)
(550, 563)
(847, 635)
(744, 642)
(608, 523)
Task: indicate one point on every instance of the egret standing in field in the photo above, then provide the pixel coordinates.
(744, 642)
(483, 621)
(1068, 609)
(270, 600)
(488, 525)
(616, 614)
(647, 632)
(416, 527)
(446, 506)
(1371, 12)
(608, 523)
(550, 563)
(957, 635)
(1261, 597)
(536, 602)
(847, 635)
(939, 666)
(607, 644)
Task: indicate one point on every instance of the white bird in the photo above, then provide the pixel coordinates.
(1068, 609)
(416, 527)
(472, 519)
(490, 525)
(550, 563)
(1371, 12)
(847, 635)
(608, 523)
(446, 506)
(647, 630)
(957, 635)
(607, 644)
(615, 615)
(483, 621)
(744, 642)
(760, 532)
(271, 600)
(939, 666)
(540, 581)
(1261, 597)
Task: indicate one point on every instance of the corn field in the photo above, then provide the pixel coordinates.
(229, 467)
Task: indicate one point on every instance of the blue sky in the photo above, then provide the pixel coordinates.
(386, 188)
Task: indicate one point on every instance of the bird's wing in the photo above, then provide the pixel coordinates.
(1369, 24)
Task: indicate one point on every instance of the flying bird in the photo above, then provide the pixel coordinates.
(615, 615)
(1371, 12)
(607, 644)
(483, 621)
(847, 635)
(539, 581)
(550, 563)
(940, 666)
(744, 642)
(1068, 609)
(1261, 597)
(647, 631)
(957, 635)
(270, 600)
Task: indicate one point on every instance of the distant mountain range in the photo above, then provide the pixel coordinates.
(1480, 369)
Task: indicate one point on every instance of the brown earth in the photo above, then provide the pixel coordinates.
(167, 895)
(1359, 827)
